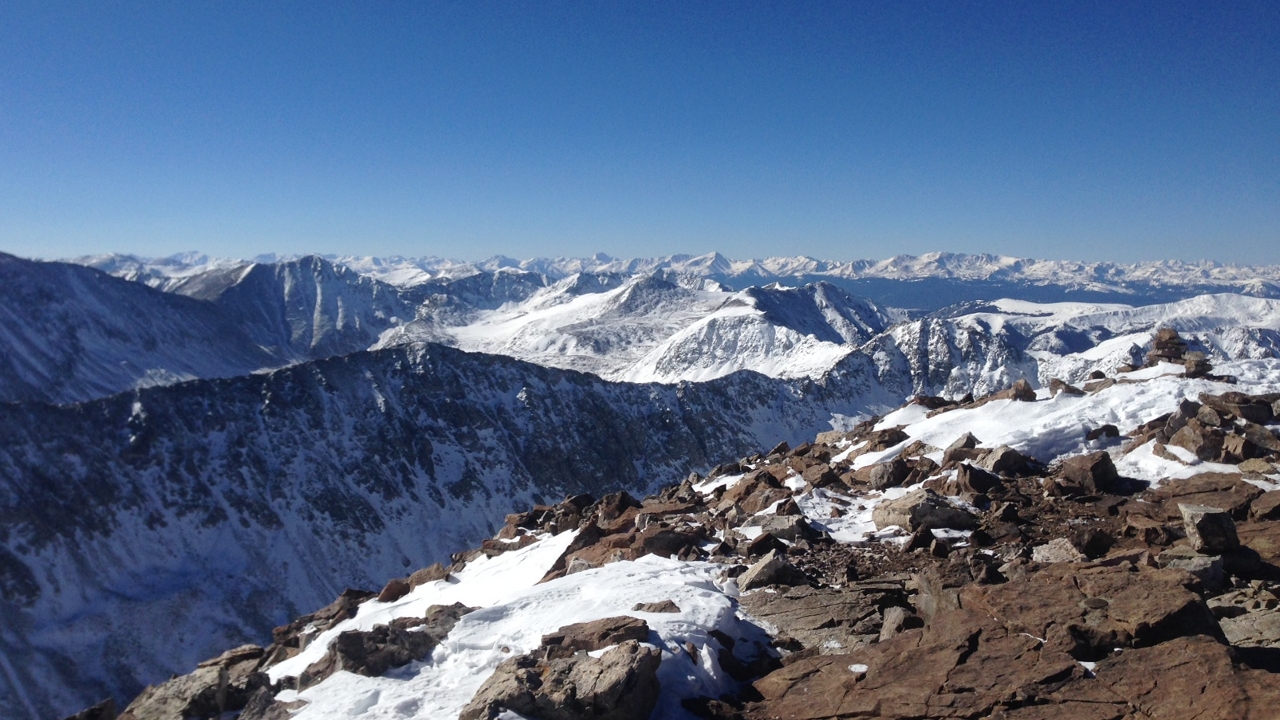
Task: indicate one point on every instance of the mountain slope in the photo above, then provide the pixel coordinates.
(71, 333)
(224, 507)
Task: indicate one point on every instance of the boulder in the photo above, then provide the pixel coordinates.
(1057, 387)
(884, 439)
(1004, 460)
(373, 652)
(1261, 437)
(922, 509)
(1210, 530)
(1201, 440)
(395, 589)
(772, 569)
(783, 527)
(622, 684)
(428, 574)
(822, 476)
(965, 442)
(970, 482)
(888, 474)
(1020, 391)
(1090, 474)
(1056, 551)
(1258, 628)
(1206, 568)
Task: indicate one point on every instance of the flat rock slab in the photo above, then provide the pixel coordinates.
(598, 634)
(1228, 491)
(827, 619)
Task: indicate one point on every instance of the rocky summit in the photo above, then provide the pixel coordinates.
(1105, 552)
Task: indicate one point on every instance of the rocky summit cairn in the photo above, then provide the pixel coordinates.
(1168, 347)
(993, 585)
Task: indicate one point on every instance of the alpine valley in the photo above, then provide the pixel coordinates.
(772, 489)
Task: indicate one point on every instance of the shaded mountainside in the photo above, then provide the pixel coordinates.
(302, 309)
(220, 508)
(71, 333)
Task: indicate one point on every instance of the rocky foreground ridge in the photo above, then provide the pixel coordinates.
(875, 573)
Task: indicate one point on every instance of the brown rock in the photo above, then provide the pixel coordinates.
(1020, 391)
(762, 544)
(1188, 677)
(662, 606)
(826, 619)
(1004, 460)
(375, 651)
(1222, 490)
(1205, 442)
(622, 684)
(822, 476)
(1057, 386)
(221, 685)
(1089, 474)
(1143, 607)
(1262, 437)
(888, 474)
(772, 569)
(428, 574)
(395, 589)
(965, 442)
(598, 634)
(970, 482)
(1266, 506)
(1240, 405)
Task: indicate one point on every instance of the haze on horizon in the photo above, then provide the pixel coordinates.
(1093, 131)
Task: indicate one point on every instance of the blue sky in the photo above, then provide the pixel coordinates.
(1102, 131)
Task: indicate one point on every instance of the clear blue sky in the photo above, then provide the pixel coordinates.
(1109, 130)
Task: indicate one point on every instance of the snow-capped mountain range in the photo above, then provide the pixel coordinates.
(944, 278)
(237, 441)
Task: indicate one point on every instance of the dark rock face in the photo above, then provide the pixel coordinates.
(622, 684)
